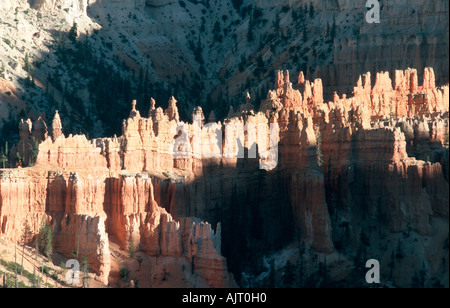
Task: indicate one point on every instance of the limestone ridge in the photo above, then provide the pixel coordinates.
(381, 152)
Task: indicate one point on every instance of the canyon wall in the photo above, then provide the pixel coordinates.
(84, 210)
(204, 191)
(372, 47)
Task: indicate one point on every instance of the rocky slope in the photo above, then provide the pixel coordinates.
(351, 179)
(206, 53)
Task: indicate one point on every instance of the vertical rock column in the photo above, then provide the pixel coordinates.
(22, 205)
(82, 229)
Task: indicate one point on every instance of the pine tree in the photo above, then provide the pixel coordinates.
(392, 264)
(250, 35)
(305, 34)
(216, 32)
(15, 264)
(46, 239)
(365, 242)
(34, 151)
(311, 10)
(27, 63)
(294, 15)
(418, 280)
(276, 22)
(272, 274)
(139, 259)
(131, 249)
(289, 275)
(333, 28)
(2, 70)
(73, 33)
(237, 4)
(25, 240)
(85, 270)
(319, 153)
(301, 265)
(36, 279)
(4, 156)
(27, 68)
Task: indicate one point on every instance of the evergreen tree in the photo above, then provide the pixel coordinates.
(216, 32)
(27, 68)
(333, 28)
(365, 242)
(237, 4)
(272, 274)
(85, 270)
(305, 34)
(250, 35)
(294, 15)
(46, 239)
(34, 151)
(289, 275)
(276, 22)
(198, 51)
(392, 265)
(319, 152)
(15, 264)
(4, 156)
(2, 70)
(73, 33)
(418, 280)
(124, 274)
(301, 265)
(311, 10)
(131, 249)
(27, 63)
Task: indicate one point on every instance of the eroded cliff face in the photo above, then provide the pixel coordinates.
(372, 47)
(366, 167)
(85, 210)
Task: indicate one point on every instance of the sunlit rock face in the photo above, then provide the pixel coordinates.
(183, 191)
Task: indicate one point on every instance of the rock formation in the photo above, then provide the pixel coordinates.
(172, 110)
(40, 132)
(201, 192)
(56, 127)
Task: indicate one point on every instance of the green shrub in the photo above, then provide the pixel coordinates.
(124, 273)
(8, 42)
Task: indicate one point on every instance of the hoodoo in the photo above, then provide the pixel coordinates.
(370, 166)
